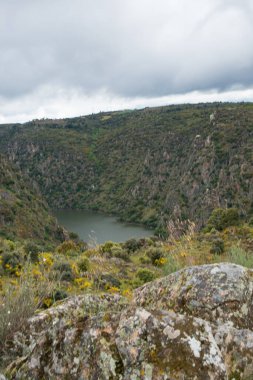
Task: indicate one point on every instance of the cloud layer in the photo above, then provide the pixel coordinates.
(94, 53)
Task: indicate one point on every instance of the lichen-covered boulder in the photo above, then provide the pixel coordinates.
(74, 340)
(164, 345)
(192, 325)
(217, 293)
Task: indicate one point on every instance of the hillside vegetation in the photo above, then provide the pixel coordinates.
(185, 170)
(146, 166)
(23, 212)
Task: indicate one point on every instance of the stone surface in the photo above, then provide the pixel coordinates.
(217, 293)
(192, 325)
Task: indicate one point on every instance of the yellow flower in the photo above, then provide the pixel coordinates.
(82, 283)
(127, 293)
(17, 273)
(74, 268)
(36, 272)
(48, 302)
(161, 261)
(46, 258)
(113, 289)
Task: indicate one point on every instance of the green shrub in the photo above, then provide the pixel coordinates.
(222, 218)
(107, 247)
(59, 295)
(155, 254)
(63, 271)
(145, 275)
(145, 260)
(132, 245)
(67, 276)
(83, 264)
(120, 253)
(106, 281)
(217, 246)
(68, 247)
(73, 236)
(11, 261)
(32, 251)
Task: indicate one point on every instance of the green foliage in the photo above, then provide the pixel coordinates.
(32, 251)
(133, 245)
(217, 246)
(131, 164)
(155, 254)
(107, 281)
(68, 247)
(24, 214)
(11, 261)
(59, 294)
(223, 218)
(63, 270)
(107, 246)
(73, 236)
(83, 264)
(145, 275)
(172, 265)
(238, 255)
(120, 253)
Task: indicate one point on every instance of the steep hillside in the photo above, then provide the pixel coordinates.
(23, 212)
(145, 165)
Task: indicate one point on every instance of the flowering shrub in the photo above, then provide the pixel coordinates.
(46, 259)
(82, 283)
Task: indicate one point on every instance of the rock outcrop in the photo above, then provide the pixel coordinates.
(194, 324)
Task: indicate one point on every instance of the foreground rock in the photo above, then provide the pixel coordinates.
(194, 324)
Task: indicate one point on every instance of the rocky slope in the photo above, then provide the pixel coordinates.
(23, 212)
(194, 324)
(146, 165)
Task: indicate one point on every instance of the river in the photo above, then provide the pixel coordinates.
(95, 227)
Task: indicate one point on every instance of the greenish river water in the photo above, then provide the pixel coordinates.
(97, 228)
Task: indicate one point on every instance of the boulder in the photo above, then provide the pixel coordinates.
(194, 324)
(217, 293)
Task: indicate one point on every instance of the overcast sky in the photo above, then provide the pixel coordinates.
(63, 58)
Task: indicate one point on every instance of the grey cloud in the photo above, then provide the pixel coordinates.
(130, 48)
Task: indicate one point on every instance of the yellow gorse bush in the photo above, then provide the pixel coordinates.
(127, 293)
(82, 283)
(162, 261)
(36, 273)
(46, 259)
(113, 289)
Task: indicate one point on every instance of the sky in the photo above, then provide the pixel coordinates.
(62, 58)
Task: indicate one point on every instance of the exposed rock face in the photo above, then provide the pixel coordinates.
(194, 324)
(217, 293)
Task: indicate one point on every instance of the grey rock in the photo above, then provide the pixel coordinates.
(192, 325)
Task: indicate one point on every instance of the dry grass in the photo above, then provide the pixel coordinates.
(19, 300)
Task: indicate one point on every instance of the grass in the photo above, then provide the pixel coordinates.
(19, 300)
(238, 255)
